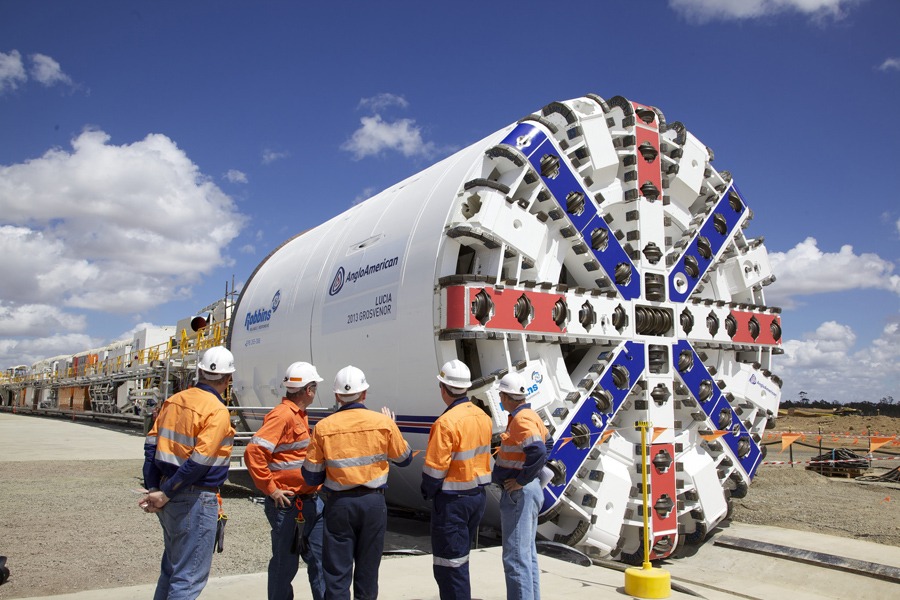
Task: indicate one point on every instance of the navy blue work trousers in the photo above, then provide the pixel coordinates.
(353, 537)
(284, 564)
(454, 525)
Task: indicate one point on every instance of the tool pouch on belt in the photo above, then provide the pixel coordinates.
(220, 527)
(299, 543)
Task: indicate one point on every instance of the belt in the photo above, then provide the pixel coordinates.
(476, 491)
(192, 488)
(357, 491)
(302, 497)
(200, 488)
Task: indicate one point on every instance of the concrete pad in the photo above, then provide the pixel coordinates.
(26, 438)
(759, 576)
(410, 578)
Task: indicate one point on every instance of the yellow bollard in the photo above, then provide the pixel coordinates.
(648, 581)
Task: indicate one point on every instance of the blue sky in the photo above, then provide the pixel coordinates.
(152, 150)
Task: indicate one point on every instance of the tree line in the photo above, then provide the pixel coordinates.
(887, 406)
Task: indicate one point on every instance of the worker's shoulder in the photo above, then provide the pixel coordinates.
(197, 400)
(527, 417)
(353, 420)
(465, 412)
(282, 411)
(473, 411)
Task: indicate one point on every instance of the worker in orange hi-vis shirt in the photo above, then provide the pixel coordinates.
(274, 457)
(349, 455)
(457, 468)
(522, 455)
(186, 458)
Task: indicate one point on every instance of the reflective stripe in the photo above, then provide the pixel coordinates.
(469, 454)
(535, 439)
(229, 441)
(293, 446)
(150, 440)
(314, 467)
(358, 461)
(510, 464)
(434, 472)
(210, 461)
(451, 562)
(458, 486)
(338, 487)
(168, 457)
(178, 438)
(262, 443)
(511, 449)
(285, 466)
(403, 456)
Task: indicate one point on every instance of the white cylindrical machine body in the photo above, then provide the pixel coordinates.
(590, 247)
(357, 290)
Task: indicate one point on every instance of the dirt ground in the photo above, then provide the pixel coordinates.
(793, 497)
(71, 526)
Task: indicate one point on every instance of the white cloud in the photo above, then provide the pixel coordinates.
(247, 249)
(12, 71)
(377, 135)
(44, 70)
(364, 195)
(37, 320)
(825, 365)
(890, 64)
(806, 270)
(110, 228)
(380, 102)
(704, 11)
(47, 71)
(29, 351)
(270, 156)
(235, 176)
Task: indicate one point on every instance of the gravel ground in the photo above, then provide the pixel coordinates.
(795, 498)
(80, 528)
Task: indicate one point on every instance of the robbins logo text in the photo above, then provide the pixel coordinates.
(259, 319)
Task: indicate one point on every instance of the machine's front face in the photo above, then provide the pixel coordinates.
(599, 253)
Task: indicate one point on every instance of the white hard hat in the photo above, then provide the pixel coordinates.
(456, 376)
(300, 374)
(514, 385)
(217, 361)
(349, 381)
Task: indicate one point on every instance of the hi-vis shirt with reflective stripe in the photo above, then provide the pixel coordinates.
(351, 448)
(459, 448)
(190, 442)
(522, 447)
(277, 450)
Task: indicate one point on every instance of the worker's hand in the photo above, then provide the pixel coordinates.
(388, 413)
(511, 485)
(153, 501)
(282, 498)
